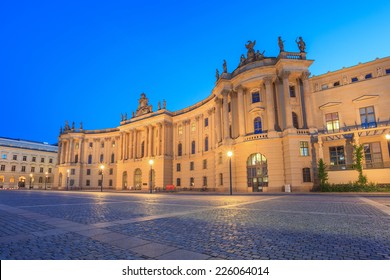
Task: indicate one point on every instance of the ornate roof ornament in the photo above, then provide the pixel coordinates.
(143, 106)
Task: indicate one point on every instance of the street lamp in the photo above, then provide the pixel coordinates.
(101, 170)
(67, 178)
(388, 141)
(46, 175)
(230, 154)
(151, 181)
(31, 176)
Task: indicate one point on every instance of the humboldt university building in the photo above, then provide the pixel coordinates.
(275, 119)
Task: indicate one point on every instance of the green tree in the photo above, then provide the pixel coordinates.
(358, 154)
(322, 173)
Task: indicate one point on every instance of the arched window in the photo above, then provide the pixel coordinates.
(257, 172)
(179, 150)
(112, 158)
(137, 179)
(143, 149)
(257, 125)
(90, 159)
(101, 157)
(76, 158)
(193, 147)
(295, 120)
(206, 143)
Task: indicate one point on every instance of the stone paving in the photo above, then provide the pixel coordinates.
(87, 225)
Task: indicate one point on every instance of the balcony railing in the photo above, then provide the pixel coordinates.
(371, 165)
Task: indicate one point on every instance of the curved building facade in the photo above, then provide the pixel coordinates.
(275, 119)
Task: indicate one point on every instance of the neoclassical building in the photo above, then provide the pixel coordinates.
(27, 164)
(276, 119)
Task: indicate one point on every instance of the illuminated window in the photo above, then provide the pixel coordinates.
(180, 130)
(304, 148)
(193, 127)
(332, 122)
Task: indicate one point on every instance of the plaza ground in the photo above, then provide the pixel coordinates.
(93, 225)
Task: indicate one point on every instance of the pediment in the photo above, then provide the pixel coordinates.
(329, 105)
(366, 97)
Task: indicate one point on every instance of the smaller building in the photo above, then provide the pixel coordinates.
(27, 164)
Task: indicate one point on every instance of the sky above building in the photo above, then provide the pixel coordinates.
(89, 61)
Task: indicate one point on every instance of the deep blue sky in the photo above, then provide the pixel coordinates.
(90, 60)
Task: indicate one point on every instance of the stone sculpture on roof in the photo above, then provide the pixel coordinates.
(143, 106)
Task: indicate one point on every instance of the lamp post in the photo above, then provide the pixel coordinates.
(31, 176)
(230, 154)
(388, 141)
(67, 178)
(150, 175)
(101, 169)
(46, 175)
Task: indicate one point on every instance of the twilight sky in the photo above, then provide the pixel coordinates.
(90, 60)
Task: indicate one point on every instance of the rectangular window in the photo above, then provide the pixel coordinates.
(4, 156)
(2, 167)
(306, 175)
(15, 157)
(72, 171)
(51, 160)
(34, 159)
(192, 182)
(221, 179)
(41, 170)
(99, 183)
(354, 79)
(304, 148)
(23, 169)
(337, 156)
(178, 167)
(367, 117)
(373, 155)
(88, 171)
(192, 165)
(205, 164)
(336, 84)
(204, 181)
(49, 170)
(90, 144)
(24, 158)
(178, 182)
(13, 168)
(292, 91)
(324, 86)
(387, 71)
(111, 171)
(255, 97)
(368, 76)
(32, 169)
(88, 183)
(206, 122)
(42, 159)
(110, 183)
(332, 122)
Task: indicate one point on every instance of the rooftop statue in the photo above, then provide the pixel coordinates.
(281, 44)
(301, 44)
(143, 106)
(216, 74)
(224, 66)
(251, 52)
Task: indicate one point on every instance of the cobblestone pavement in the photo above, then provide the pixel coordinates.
(80, 225)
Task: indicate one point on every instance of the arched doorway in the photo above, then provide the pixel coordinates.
(124, 180)
(257, 172)
(137, 179)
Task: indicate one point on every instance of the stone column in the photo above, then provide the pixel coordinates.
(146, 146)
(270, 104)
(309, 102)
(241, 111)
(135, 143)
(150, 141)
(287, 105)
(59, 153)
(121, 145)
(218, 123)
(225, 110)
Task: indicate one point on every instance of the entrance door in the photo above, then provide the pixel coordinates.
(124, 180)
(137, 179)
(257, 172)
(22, 182)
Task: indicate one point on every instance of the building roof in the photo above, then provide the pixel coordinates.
(27, 144)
